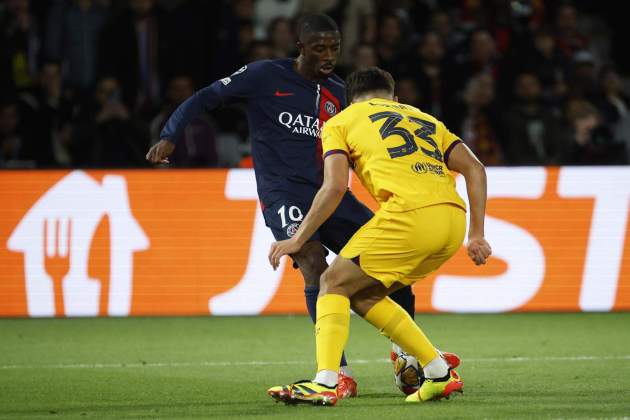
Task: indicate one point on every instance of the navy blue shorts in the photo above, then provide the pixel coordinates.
(284, 218)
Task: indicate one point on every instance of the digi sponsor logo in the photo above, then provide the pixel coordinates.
(423, 168)
(300, 124)
(330, 108)
(56, 236)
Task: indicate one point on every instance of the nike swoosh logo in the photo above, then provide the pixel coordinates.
(278, 93)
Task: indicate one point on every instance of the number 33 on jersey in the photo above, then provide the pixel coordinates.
(399, 152)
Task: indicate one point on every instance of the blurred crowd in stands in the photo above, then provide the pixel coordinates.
(89, 83)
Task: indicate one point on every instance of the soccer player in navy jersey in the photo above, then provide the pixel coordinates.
(288, 100)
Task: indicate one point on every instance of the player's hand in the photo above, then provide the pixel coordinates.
(280, 248)
(478, 250)
(160, 151)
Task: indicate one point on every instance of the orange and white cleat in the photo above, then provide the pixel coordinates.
(452, 360)
(346, 387)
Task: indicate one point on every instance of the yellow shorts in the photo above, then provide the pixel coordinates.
(407, 246)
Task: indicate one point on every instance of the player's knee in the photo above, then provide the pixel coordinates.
(324, 282)
(311, 259)
(332, 282)
(311, 262)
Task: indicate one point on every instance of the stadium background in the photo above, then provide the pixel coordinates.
(539, 89)
(538, 85)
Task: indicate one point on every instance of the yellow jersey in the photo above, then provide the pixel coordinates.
(398, 152)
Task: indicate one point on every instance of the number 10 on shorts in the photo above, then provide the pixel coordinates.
(294, 214)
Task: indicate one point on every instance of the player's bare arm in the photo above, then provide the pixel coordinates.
(326, 200)
(463, 160)
(160, 151)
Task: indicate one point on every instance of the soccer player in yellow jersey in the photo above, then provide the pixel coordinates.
(404, 158)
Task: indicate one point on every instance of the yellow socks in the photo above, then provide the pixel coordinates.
(394, 322)
(331, 330)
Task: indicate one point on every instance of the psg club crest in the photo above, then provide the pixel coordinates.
(292, 229)
(330, 108)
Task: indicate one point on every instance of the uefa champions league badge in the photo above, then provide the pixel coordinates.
(330, 108)
(292, 229)
(239, 71)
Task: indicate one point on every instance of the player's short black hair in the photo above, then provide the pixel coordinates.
(368, 80)
(315, 22)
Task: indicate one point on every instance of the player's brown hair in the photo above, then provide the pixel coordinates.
(368, 80)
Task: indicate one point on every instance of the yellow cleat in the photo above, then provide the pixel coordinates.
(436, 389)
(280, 393)
(304, 392)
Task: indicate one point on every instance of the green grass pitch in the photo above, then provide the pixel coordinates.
(534, 366)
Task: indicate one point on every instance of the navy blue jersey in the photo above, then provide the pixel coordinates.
(285, 113)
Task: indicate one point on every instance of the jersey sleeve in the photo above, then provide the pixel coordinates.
(334, 140)
(243, 83)
(449, 141)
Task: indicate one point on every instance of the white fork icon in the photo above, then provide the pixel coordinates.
(56, 242)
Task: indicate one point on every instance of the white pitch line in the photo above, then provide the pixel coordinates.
(298, 362)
